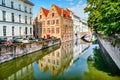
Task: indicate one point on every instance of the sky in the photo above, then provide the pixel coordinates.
(77, 6)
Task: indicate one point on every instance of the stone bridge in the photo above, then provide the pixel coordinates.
(81, 34)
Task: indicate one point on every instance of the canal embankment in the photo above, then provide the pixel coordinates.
(110, 46)
(12, 51)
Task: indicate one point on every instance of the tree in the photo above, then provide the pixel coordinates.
(104, 15)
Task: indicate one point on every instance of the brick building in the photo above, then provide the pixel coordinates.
(56, 22)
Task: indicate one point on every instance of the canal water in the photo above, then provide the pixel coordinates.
(73, 60)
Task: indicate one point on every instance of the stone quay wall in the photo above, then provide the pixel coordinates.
(112, 46)
(9, 52)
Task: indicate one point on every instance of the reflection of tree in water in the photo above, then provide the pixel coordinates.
(104, 63)
(101, 69)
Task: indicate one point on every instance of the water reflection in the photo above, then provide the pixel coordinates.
(57, 62)
(68, 61)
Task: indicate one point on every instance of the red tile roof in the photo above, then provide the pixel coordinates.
(58, 9)
(62, 12)
(45, 11)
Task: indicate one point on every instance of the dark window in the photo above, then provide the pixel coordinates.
(30, 20)
(52, 14)
(30, 30)
(4, 15)
(57, 21)
(12, 17)
(19, 7)
(13, 31)
(26, 19)
(20, 28)
(25, 9)
(20, 18)
(12, 4)
(30, 10)
(52, 30)
(48, 22)
(48, 30)
(40, 16)
(3, 2)
(4, 30)
(26, 30)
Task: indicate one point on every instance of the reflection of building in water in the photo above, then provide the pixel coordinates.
(26, 73)
(58, 60)
(79, 48)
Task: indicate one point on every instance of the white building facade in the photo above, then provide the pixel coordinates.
(16, 18)
(76, 26)
(83, 26)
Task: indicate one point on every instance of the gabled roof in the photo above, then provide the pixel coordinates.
(66, 14)
(59, 10)
(63, 12)
(45, 11)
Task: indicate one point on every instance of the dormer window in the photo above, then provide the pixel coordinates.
(64, 15)
(40, 16)
(52, 14)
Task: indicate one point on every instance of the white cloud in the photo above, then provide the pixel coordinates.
(78, 10)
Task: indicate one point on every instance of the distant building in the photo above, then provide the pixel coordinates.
(16, 18)
(37, 28)
(56, 22)
(83, 26)
(76, 26)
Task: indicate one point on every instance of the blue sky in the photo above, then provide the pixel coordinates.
(76, 6)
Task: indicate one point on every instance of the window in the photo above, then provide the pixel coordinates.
(64, 15)
(12, 4)
(30, 20)
(57, 30)
(20, 18)
(30, 30)
(20, 28)
(53, 21)
(48, 30)
(26, 19)
(26, 30)
(25, 9)
(12, 17)
(52, 30)
(40, 16)
(30, 10)
(57, 21)
(44, 31)
(19, 7)
(58, 54)
(48, 22)
(13, 31)
(52, 14)
(4, 15)
(4, 30)
(3, 2)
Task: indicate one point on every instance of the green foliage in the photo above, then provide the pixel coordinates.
(104, 15)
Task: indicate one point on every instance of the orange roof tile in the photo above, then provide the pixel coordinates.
(45, 11)
(59, 10)
(66, 13)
